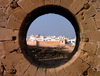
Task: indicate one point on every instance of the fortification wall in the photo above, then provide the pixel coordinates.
(15, 18)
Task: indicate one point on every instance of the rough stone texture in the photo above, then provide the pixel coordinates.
(92, 35)
(13, 23)
(88, 25)
(5, 34)
(90, 47)
(51, 72)
(80, 16)
(40, 72)
(91, 59)
(80, 66)
(66, 3)
(1, 49)
(38, 3)
(28, 8)
(31, 71)
(90, 12)
(48, 2)
(12, 14)
(10, 46)
(11, 60)
(69, 71)
(78, 5)
(5, 3)
(60, 72)
(97, 19)
(98, 50)
(92, 72)
(19, 13)
(22, 66)
(3, 18)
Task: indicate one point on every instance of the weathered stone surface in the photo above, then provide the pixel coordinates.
(5, 34)
(10, 46)
(5, 3)
(90, 47)
(98, 50)
(97, 19)
(3, 18)
(69, 71)
(80, 16)
(13, 23)
(40, 72)
(31, 71)
(15, 35)
(92, 35)
(60, 72)
(91, 59)
(1, 49)
(90, 12)
(48, 2)
(22, 66)
(66, 3)
(51, 72)
(26, 5)
(80, 66)
(92, 72)
(38, 3)
(88, 25)
(19, 13)
(11, 60)
(77, 6)
(57, 2)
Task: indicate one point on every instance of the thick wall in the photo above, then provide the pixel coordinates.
(13, 61)
(43, 43)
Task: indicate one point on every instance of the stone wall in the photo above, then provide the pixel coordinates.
(15, 18)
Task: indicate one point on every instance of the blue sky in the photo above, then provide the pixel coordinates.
(50, 25)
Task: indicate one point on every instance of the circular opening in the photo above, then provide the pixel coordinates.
(37, 52)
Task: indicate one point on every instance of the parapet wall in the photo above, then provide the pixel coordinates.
(15, 18)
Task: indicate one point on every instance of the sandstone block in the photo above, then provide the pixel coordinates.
(90, 47)
(11, 60)
(40, 72)
(26, 5)
(98, 50)
(88, 24)
(13, 23)
(15, 35)
(1, 49)
(57, 2)
(92, 72)
(76, 6)
(19, 13)
(80, 16)
(97, 19)
(38, 3)
(5, 34)
(31, 71)
(5, 2)
(48, 2)
(80, 66)
(10, 46)
(51, 71)
(66, 3)
(22, 66)
(91, 59)
(60, 72)
(69, 71)
(92, 35)
(90, 12)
